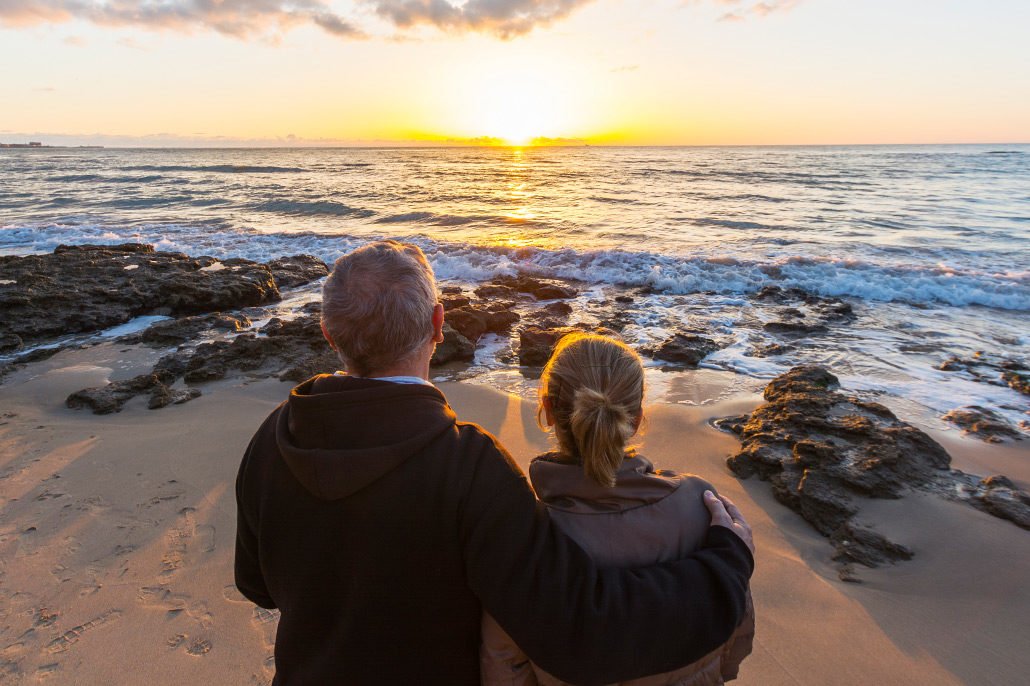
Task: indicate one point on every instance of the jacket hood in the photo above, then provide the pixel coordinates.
(338, 434)
(565, 486)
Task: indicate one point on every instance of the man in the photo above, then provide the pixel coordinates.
(381, 527)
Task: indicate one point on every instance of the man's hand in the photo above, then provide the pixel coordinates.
(725, 513)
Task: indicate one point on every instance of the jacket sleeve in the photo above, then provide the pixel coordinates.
(576, 621)
(501, 661)
(740, 643)
(247, 567)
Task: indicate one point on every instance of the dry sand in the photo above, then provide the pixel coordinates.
(116, 545)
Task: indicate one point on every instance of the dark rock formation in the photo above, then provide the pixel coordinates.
(683, 348)
(179, 331)
(983, 423)
(297, 270)
(472, 322)
(794, 327)
(86, 288)
(998, 496)
(821, 450)
(536, 343)
(824, 452)
(511, 286)
(454, 348)
(113, 396)
(992, 369)
(770, 349)
(292, 350)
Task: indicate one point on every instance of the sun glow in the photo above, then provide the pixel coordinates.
(517, 104)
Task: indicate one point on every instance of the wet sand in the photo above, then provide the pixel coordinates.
(116, 545)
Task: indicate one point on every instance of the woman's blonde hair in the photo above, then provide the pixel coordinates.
(595, 388)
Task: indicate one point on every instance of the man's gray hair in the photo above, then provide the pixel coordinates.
(377, 305)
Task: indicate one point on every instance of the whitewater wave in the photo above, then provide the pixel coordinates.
(674, 274)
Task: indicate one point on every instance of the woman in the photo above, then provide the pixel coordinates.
(609, 499)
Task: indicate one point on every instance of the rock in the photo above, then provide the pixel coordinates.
(770, 349)
(793, 327)
(454, 348)
(86, 288)
(560, 310)
(112, 397)
(293, 350)
(472, 323)
(998, 496)
(297, 270)
(984, 423)
(1017, 382)
(511, 286)
(453, 302)
(163, 396)
(10, 342)
(734, 424)
(488, 291)
(536, 343)
(823, 452)
(682, 348)
(625, 299)
(178, 331)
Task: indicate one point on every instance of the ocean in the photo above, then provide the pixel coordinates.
(929, 244)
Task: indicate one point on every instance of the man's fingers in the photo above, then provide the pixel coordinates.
(734, 511)
(720, 517)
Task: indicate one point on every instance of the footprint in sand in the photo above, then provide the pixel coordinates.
(233, 595)
(47, 671)
(267, 622)
(75, 634)
(185, 536)
(199, 647)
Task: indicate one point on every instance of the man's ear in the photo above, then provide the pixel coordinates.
(438, 323)
(328, 338)
(545, 401)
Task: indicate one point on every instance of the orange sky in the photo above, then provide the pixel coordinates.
(606, 71)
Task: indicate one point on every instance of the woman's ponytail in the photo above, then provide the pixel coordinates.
(600, 430)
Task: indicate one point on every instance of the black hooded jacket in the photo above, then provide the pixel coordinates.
(381, 528)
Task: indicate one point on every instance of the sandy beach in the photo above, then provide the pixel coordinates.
(116, 535)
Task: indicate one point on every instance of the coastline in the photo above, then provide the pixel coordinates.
(118, 533)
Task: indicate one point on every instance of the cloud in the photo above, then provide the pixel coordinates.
(238, 18)
(504, 18)
(625, 67)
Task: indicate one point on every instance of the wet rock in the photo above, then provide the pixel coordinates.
(770, 349)
(984, 423)
(823, 452)
(162, 396)
(292, 350)
(88, 287)
(10, 342)
(997, 495)
(794, 327)
(1017, 382)
(512, 286)
(560, 310)
(624, 299)
(453, 302)
(178, 331)
(297, 270)
(990, 368)
(536, 343)
(472, 322)
(112, 397)
(734, 424)
(683, 348)
(454, 348)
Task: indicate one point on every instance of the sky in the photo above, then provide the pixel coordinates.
(624, 72)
